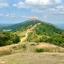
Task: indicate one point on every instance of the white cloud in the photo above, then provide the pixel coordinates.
(60, 7)
(41, 6)
(32, 2)
(37, 3)
(14, 16)
(19, 5)
(8, 15)
(3, 4)
(58, 1)
(43, 2)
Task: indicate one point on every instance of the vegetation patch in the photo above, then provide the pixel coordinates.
(7, 38)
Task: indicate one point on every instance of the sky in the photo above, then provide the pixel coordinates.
(16, 11)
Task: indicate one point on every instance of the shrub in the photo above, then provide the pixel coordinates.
(39, 50)
(8, 38)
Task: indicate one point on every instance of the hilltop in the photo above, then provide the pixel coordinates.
(23, 25)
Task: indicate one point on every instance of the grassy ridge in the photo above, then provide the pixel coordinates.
(36, 31)
(30, 47)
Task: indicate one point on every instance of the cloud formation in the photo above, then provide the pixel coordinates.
(40, 5)
(3, 4)
(43, 2)
(37, 3)
(14, 16)
(20, 5)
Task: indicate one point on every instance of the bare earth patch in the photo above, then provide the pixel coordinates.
(27, 55)
(34, 58)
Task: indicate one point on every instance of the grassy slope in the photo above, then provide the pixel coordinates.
(30, 47)
(42, 32)
(28, 56)
(33, 58)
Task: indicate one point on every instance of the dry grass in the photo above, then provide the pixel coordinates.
(33, 58)
(24, 54)
(9, 49)
(49, 48)
(29, 47)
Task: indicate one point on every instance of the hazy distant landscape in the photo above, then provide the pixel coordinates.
(61, 26)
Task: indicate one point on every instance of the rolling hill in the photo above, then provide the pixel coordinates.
(20, 26)
(36, 31)
(43, 32)
(24, 25)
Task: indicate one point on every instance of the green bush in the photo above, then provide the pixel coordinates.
(39, 50)
(8, 38)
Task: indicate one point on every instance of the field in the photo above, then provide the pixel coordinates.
(26, 54)
(33, 58)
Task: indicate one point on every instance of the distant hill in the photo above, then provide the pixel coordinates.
(37, 31)
(44, 32)
(61, 26)
(23, 25)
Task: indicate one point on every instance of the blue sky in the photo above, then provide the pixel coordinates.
(15, 11)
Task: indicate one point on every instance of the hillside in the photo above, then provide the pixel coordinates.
(23, 25)
(20, 26)
(36, 31)
(33, 58)
(30, 42)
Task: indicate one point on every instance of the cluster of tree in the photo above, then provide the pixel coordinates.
(7, 38)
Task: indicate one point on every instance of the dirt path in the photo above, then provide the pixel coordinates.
(24, 39)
